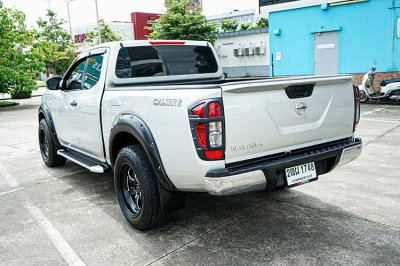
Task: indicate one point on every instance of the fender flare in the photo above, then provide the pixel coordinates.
(133, 125)
(45, 111)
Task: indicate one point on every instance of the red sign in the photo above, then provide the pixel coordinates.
(194, 4)
(80, 38)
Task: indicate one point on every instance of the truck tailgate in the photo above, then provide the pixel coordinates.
(266, 117)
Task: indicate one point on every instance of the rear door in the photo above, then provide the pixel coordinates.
(273, 116)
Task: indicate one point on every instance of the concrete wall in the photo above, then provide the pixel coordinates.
(367, 32)
(242, 66)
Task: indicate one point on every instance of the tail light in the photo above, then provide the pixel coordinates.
(356, 107)
(207, 124)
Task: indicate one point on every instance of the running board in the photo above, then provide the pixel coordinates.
(93, 165)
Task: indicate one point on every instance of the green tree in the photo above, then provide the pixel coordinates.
(179, 23)
(18, 61)
(228, 25)
(262, 23)
(107, 34)
(54, 43)
(245, 26)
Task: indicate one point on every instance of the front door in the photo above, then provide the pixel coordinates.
(68, 123)
(326, 53)
(90, 99)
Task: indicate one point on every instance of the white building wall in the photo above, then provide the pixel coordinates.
(241, 16)
(124, 29)
(298, 4)
(243, 65)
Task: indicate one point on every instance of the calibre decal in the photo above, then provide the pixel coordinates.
(167, 102)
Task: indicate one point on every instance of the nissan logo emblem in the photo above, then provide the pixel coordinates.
(301, 108)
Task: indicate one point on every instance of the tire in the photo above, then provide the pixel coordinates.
(48, 148)
(137, 189)
(363, 97)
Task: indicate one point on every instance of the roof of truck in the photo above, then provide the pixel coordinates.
(149, 42)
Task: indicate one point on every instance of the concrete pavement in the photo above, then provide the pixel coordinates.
(69, 216)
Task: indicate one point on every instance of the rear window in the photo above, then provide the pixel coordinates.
(164, 60)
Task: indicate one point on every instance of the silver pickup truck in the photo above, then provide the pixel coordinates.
(161, 116)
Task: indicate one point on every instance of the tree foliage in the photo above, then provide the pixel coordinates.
(18, 61)
(262, 23)
(245, 26)
(106, 33)
(179, 23)
(229, 25)
(54, 43)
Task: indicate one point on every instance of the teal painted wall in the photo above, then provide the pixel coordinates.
(367, 32)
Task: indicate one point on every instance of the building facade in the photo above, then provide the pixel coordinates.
(244, 53)
(241, 16)
(142, 21)
(79, 33)
(335, 37)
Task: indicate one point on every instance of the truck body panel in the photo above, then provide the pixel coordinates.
(169, 126)
(261, 120)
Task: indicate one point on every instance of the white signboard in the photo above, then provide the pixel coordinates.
(278, 56)
(326, 46)
(398, 28)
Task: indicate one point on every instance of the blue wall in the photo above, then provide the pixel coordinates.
(367, 32)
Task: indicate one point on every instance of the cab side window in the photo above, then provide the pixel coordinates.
(74, 81)
(93, 71)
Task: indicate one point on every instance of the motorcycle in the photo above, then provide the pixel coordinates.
(390, 88)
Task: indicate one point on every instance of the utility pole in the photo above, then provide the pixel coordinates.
(98, 22)
(69, 19)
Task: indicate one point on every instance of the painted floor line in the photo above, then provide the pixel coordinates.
(381, 120)
(10, 191)
(7, 177)
(62, 246)
(371, 112)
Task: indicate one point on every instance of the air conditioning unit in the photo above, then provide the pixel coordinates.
(260, 50)
(238, 52)
(248, 51)
(251, 51)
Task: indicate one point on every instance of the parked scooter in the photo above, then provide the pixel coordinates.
(390, 88)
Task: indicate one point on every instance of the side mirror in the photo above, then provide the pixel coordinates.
(53, 83)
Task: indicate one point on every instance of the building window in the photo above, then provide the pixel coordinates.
(273, 2)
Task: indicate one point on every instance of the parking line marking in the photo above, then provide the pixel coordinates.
(381, 120)
(7, 176)
(55, 236)
(373, 111)
(10, 191)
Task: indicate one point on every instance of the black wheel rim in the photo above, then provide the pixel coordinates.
(44, 145)
(131, 190)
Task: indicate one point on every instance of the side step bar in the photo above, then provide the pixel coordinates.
(93, 165)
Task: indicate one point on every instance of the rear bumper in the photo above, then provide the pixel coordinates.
(268, 172)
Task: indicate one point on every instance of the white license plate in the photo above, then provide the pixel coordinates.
(298, 175)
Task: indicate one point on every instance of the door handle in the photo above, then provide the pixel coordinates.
(74, 103)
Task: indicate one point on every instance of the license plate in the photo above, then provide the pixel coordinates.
(301, 174)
